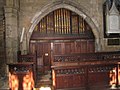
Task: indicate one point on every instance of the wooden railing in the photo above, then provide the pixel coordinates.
(82, 57)
(86, 77)
(75, 57)
(85, 70)
(80, 69)
(27, 58)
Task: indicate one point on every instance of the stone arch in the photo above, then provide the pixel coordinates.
(70, 5)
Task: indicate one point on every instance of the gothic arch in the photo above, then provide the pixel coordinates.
(75, 7)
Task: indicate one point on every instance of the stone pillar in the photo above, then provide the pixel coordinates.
(11, 19)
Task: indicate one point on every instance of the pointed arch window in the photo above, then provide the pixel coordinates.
(63, 22)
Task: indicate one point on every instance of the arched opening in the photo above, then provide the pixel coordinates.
(75, 7)
(60, 32)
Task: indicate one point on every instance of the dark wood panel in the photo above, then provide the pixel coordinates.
(98, 79)
(81, 46)
(70, 81)
(32, 48)
(57, 48)
(87, 76)
(91, 46)
(39, 49)
(38, 36)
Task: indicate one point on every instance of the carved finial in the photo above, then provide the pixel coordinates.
(113, 9)
(107, 8)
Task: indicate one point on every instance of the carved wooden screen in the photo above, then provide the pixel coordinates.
(63, 22)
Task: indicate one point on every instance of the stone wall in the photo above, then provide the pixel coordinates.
(92, 8)
(2, 45)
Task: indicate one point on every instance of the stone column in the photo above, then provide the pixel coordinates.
(11, 19)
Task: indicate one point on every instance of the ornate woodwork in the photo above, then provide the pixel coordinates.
(82, 70)
(27, 58)
(85, 57)
(22, 76)
(83, 77)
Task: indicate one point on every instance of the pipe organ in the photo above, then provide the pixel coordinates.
(62, 21)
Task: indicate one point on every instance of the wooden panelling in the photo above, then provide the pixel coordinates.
(81, 46)
(82, 71)
(87, 76)
(69, 47)
(99, 79)
(43, 53)
(58, 48)
(70, 81)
